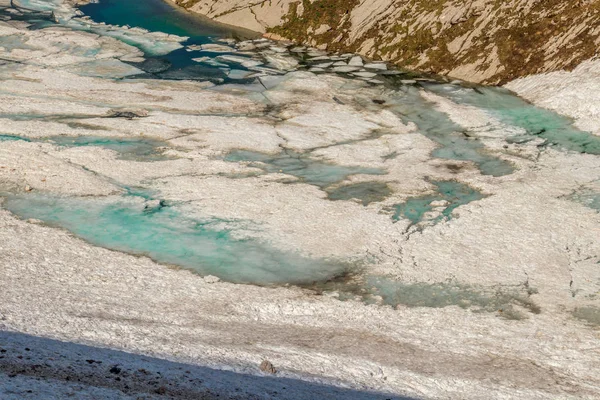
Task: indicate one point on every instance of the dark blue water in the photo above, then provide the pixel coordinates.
(159, 16)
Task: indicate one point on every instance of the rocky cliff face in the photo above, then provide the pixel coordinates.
(489, 41)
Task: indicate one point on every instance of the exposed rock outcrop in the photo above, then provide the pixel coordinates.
(485, 41)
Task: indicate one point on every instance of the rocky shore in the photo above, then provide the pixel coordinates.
(481, 41)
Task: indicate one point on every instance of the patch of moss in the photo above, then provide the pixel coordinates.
(334, 13)
(418, 32)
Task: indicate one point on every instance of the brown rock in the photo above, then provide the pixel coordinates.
(267, 367)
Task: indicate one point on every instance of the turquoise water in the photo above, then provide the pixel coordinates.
(159, 16)
(308, 170)
(11, 138)
(155, 16)
(134, 149)
(512, 110)
(588, 198)
(41, 15)
(366, 192)
(168, 235)
(501, 300)
(454, 193)
(510, 302)
(410, 106)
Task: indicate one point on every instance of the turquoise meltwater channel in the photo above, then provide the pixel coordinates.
(174, 234)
